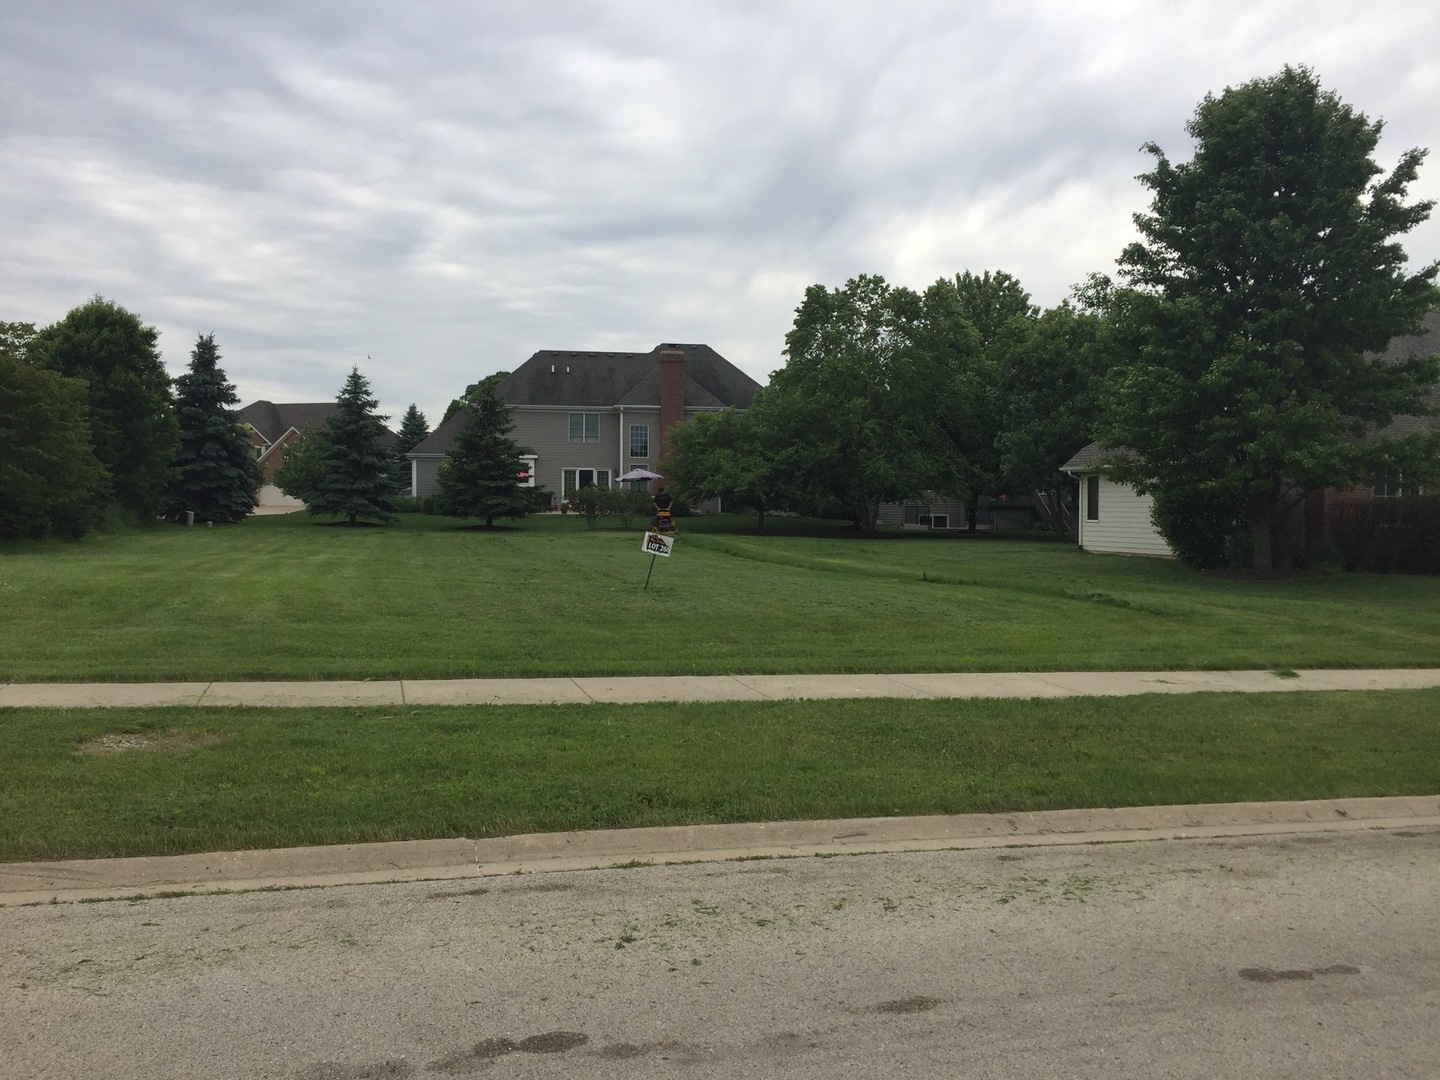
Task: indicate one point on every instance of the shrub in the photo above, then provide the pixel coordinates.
(1399, 536)
(1202, 526)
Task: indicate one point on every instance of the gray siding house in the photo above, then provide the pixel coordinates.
(588, 417)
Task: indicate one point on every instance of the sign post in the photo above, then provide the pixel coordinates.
(655, 544)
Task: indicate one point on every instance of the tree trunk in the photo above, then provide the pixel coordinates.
(972, 514)
(1261, 537)
(760, 519)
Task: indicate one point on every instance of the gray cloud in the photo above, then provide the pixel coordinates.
(448, 187)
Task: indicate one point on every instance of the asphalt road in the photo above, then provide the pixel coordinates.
(1306, 956)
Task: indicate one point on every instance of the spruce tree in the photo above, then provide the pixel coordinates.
(413, 431)
(357, 480)
(479, 477)
(216, 475)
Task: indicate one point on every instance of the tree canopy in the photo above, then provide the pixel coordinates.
(1268, 269)
(216, 477)
(132, 417)
(730, 455)
(471, 393)
(48, 473)
(847, 402)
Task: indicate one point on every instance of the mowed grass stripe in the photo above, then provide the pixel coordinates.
(286, 598)
(243, 778)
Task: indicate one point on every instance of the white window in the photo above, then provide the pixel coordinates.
(527, 470)
(584, 427)
(575, 479)
(639, 440)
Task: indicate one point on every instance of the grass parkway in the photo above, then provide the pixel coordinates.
(287, 599)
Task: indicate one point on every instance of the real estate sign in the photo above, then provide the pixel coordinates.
(657, 544)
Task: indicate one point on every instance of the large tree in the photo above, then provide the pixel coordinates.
(1049, 393)
(215, 473)
(132, 417)
(493, 379)
(480, 475)
(846, 400)
(357, 479)
(48, 473)
(970, 327)
(733, 456)
(1268, 270)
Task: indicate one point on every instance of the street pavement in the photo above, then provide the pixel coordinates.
(1051, 684)
(1304, 955)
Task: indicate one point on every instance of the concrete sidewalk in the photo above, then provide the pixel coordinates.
(427, 860)
(1053, 684)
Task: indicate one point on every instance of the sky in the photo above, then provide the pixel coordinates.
(434, 191)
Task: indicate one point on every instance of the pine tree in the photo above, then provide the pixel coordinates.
(357, 481)
(413, 431)
(479, 477)
(216, 475)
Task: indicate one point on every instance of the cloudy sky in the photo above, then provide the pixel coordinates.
(433, 191)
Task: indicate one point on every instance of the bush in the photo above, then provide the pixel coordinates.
(1400, 536)
(1204, 527)
(587, 502)
(593, 503)
(629, 505)
(425, 504)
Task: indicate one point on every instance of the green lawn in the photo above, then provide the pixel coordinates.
(279, 777)
(283, 597)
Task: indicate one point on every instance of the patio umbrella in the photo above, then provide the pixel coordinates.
(640, 474)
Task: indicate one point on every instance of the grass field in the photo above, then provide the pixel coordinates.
(283, 597)
(215, 779)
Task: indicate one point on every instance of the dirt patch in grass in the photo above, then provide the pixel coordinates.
(122, 742)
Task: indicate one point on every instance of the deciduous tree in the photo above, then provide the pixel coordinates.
(843, 401)
(1269, 267)
(132, 417)
(48, 472)
(732, 456)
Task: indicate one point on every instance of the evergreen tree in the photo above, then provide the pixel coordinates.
(48, 473)
(357, 481)
(413, 431)
(216, 474)
(479, 477)
(132, 418)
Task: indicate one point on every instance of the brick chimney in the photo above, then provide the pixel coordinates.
(672, 394)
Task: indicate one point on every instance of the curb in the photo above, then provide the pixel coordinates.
(435, 860)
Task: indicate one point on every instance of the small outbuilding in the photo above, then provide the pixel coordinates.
(1113, 517)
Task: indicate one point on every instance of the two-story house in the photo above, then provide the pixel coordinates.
(589, 417)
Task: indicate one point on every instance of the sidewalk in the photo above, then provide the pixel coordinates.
(436, 860)
(1054, 684)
